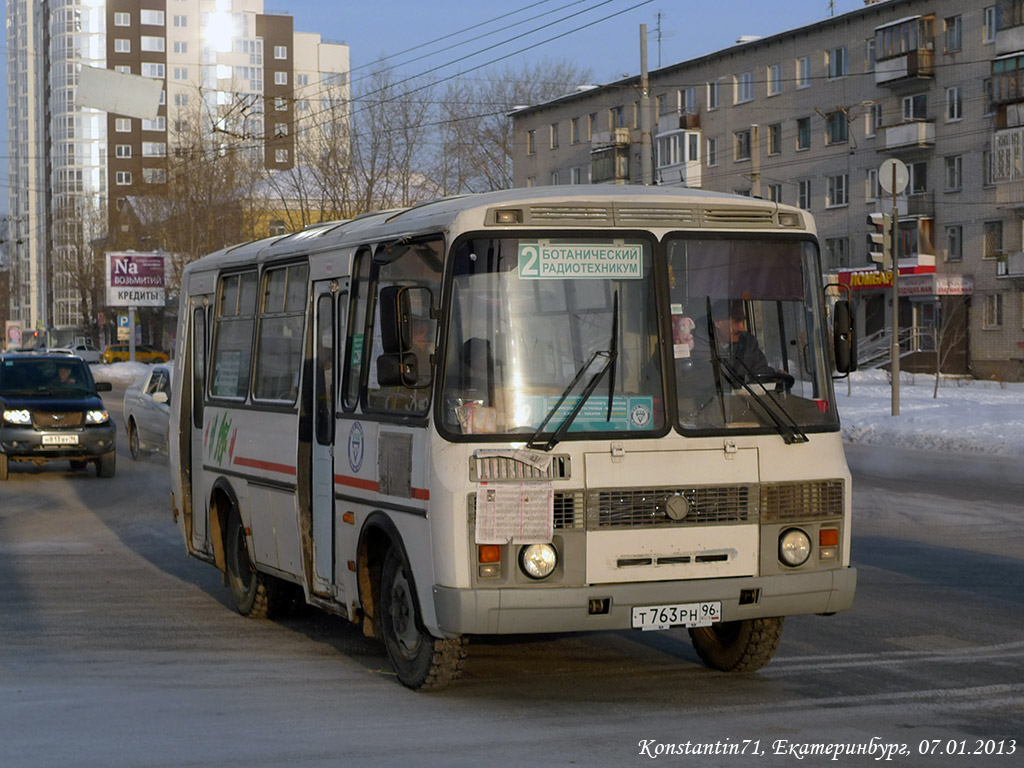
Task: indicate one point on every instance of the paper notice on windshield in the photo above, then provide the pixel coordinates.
(516, 513)
(545, 260)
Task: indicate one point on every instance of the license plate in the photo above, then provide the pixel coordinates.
(678, 615)
(60, 439)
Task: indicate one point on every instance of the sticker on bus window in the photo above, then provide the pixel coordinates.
(545, 260)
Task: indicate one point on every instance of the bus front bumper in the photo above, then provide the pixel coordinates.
(568, 609)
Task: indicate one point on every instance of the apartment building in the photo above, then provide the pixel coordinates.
(807, 117)
(227, 63)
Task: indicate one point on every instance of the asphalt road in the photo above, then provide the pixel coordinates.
(118, 650)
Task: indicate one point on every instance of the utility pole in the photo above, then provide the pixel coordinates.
(646, 156)
(895, 299)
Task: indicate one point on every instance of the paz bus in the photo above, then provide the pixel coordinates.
(529, 411)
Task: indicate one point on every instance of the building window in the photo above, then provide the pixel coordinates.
(123, 150)
(591, 125)
(669, 149)
(918, 172)
(993, 311)
(531, 142)
(713, 95)
(123, 125)
(531, 181)
(837, 250)
(553, 179)
(803, 133)
(124, 69)
(775, 193)
(154, 149)
(154, 175)
(575, 176)
(688, 100)
(181, 73)
(915, 107)
(991, 24)
(872, 120)
(154, 18)
(152, 69)
(616, 118)
(280, 52)
(280, 78)
(838, 62)
(180, 46)
(302, 80)
(993, 245)
(803, 194)
(989, 98)
(954, 34)
(803, 72)
(574, 131)
(869, 53)
(122, 19)
(954, 104)
(280, 129)
(277, 227)
(280, 104)
(741, 145)
(181, 21)
(123, 178)
(872, 191)
(744, 85)
(160, 124)
(692, 147)
(774, 79)
(837, 190)
(553, 136)
(775, 139)
(954, 173)
(837, 128)
(712, 152)
(280, 155)
(954, 243)
(151, 43)
(121, 45)
(181, 99)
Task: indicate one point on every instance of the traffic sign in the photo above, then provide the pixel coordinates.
(890, 169)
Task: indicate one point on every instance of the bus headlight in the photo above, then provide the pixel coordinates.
(794, 547)
(538, 561)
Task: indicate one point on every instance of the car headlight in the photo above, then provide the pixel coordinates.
(538, 561)
(794, 547)
(96, 417)
(18, 417)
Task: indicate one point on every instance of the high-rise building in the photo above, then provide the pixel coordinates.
(222, 63)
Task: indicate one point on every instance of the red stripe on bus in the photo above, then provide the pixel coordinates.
(357, 482)
(270, 466)
(421, 493)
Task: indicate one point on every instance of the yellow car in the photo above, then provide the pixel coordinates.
(118, 353)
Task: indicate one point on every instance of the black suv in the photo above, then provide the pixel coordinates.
(51, 411)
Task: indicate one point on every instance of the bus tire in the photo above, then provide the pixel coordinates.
(256, 595)
(738, 646)
(421, 661)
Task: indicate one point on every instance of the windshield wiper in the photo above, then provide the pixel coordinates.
(609, 358)
(614, 346)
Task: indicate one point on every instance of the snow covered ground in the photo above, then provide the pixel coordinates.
(969, 416)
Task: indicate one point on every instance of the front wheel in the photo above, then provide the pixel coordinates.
(738, 646)
(134, 443)
(256, 595)
(420, 660)
(106, 465)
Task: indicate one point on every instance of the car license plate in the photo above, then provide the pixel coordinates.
(678, 615)
(60, 439)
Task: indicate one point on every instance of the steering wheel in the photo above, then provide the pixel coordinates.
(781, 379)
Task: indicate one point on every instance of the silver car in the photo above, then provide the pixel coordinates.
(147, 411)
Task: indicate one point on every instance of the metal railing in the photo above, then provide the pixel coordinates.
(874, 350)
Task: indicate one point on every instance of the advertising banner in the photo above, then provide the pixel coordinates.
(135, 280)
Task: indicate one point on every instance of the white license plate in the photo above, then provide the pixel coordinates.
(678, 615)
(60, 439)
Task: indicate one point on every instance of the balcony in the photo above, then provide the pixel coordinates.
(914, 206)
(910, 135)
(1009, 40)
(678, 121)
(618, 137)
(1010, 265)
(913, 65)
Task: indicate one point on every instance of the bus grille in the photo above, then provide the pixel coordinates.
(497, 469)
(782, 502)
(649, 508)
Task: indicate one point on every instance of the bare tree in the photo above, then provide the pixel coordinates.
(950, 333)
(476, 133)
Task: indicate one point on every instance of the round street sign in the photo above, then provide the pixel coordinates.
(885, 175)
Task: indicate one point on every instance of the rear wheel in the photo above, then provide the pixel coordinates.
(106, 465)
(420, 660)
(256, 595)
(738, 646)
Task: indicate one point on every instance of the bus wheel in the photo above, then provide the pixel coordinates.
(256, 595)
(738, 646)
(420, 660)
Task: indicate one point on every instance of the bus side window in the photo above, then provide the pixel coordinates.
(198, 366)
(231, 359)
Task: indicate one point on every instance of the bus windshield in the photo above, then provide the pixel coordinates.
(539, 325)
(748, 335)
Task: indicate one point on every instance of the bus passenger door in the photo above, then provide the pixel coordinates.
(325, 302)
(200, 493)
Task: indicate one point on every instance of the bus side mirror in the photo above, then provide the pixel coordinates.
(844, 338)
(398, 369)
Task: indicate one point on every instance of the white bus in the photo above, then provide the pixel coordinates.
(530, 411)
